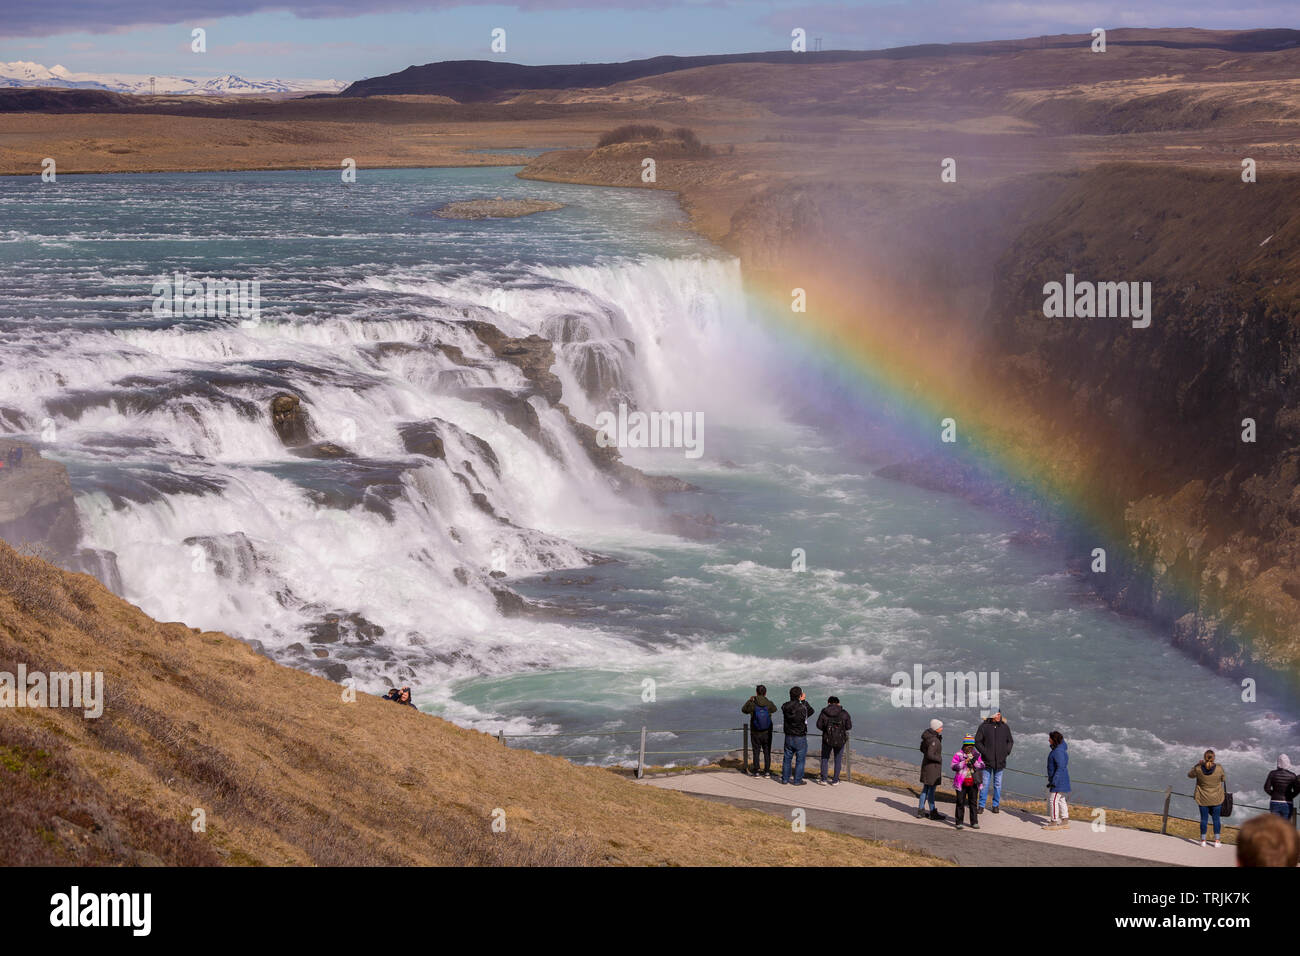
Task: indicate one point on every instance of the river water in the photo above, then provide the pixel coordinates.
(659, 614)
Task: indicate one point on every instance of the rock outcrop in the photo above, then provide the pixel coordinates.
(290, 420)
(36, 504)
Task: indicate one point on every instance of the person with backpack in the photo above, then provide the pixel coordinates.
(994, 742)
(967, 768)
(1058, 782)
(760, 711)
(1211, 791)
(835, 723)
(1281, 786)
(931, 768)
(795, 713)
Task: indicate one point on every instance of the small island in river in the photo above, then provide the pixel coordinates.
(495, 208)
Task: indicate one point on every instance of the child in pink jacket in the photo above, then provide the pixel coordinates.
(965, 763)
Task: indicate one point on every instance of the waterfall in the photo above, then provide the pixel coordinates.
(435, 472)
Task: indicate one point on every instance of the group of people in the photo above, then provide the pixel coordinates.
(977, 769)
(834, 722)
(13, 457)
(402, 696)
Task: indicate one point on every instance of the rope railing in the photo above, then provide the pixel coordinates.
(642, 753)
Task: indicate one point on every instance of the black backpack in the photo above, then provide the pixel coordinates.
(834, 733)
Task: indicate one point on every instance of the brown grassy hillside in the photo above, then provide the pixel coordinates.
(289, 773)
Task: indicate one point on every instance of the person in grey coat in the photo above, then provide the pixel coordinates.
(931, 767)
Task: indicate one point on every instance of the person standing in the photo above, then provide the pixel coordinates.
(967, 765)
(835, 723)
(1211, 786)
(994, 742)
(931, 767)
(795, 713)
(1058, 782)
(760, 711)
(1281, 786)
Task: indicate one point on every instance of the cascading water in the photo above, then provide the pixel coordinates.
(387, 559)
(434, 470)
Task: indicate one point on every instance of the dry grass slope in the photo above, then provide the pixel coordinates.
(288, 773)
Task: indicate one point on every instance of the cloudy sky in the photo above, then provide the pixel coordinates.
(349, 39)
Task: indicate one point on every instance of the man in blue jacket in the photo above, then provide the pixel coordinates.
(1058, 782)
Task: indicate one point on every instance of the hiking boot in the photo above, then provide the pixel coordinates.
(920, 814)
(994, 810)
(936, 815)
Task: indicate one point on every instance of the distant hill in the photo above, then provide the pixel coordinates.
(478, 81)
(44, 99)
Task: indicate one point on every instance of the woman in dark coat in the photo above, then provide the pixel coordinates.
(931, 767)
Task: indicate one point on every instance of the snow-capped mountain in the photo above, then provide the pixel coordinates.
(23, 73)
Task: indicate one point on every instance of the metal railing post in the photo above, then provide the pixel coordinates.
(848, 760)
(744, 750)
(1164, 822)
(640, 760)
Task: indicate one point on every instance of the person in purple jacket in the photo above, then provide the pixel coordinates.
(967, 769)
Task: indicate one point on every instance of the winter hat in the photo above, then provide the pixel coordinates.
(968, 739)
(1284, 762)
(936, 725)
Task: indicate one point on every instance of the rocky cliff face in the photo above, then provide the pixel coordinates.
(1140, 428)
(36, 507)
(1193, 422)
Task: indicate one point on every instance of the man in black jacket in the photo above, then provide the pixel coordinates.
(795, 712)
(994, 743)
(835, 723)
(760, 711)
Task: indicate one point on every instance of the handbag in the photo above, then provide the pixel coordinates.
(1225, 810)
